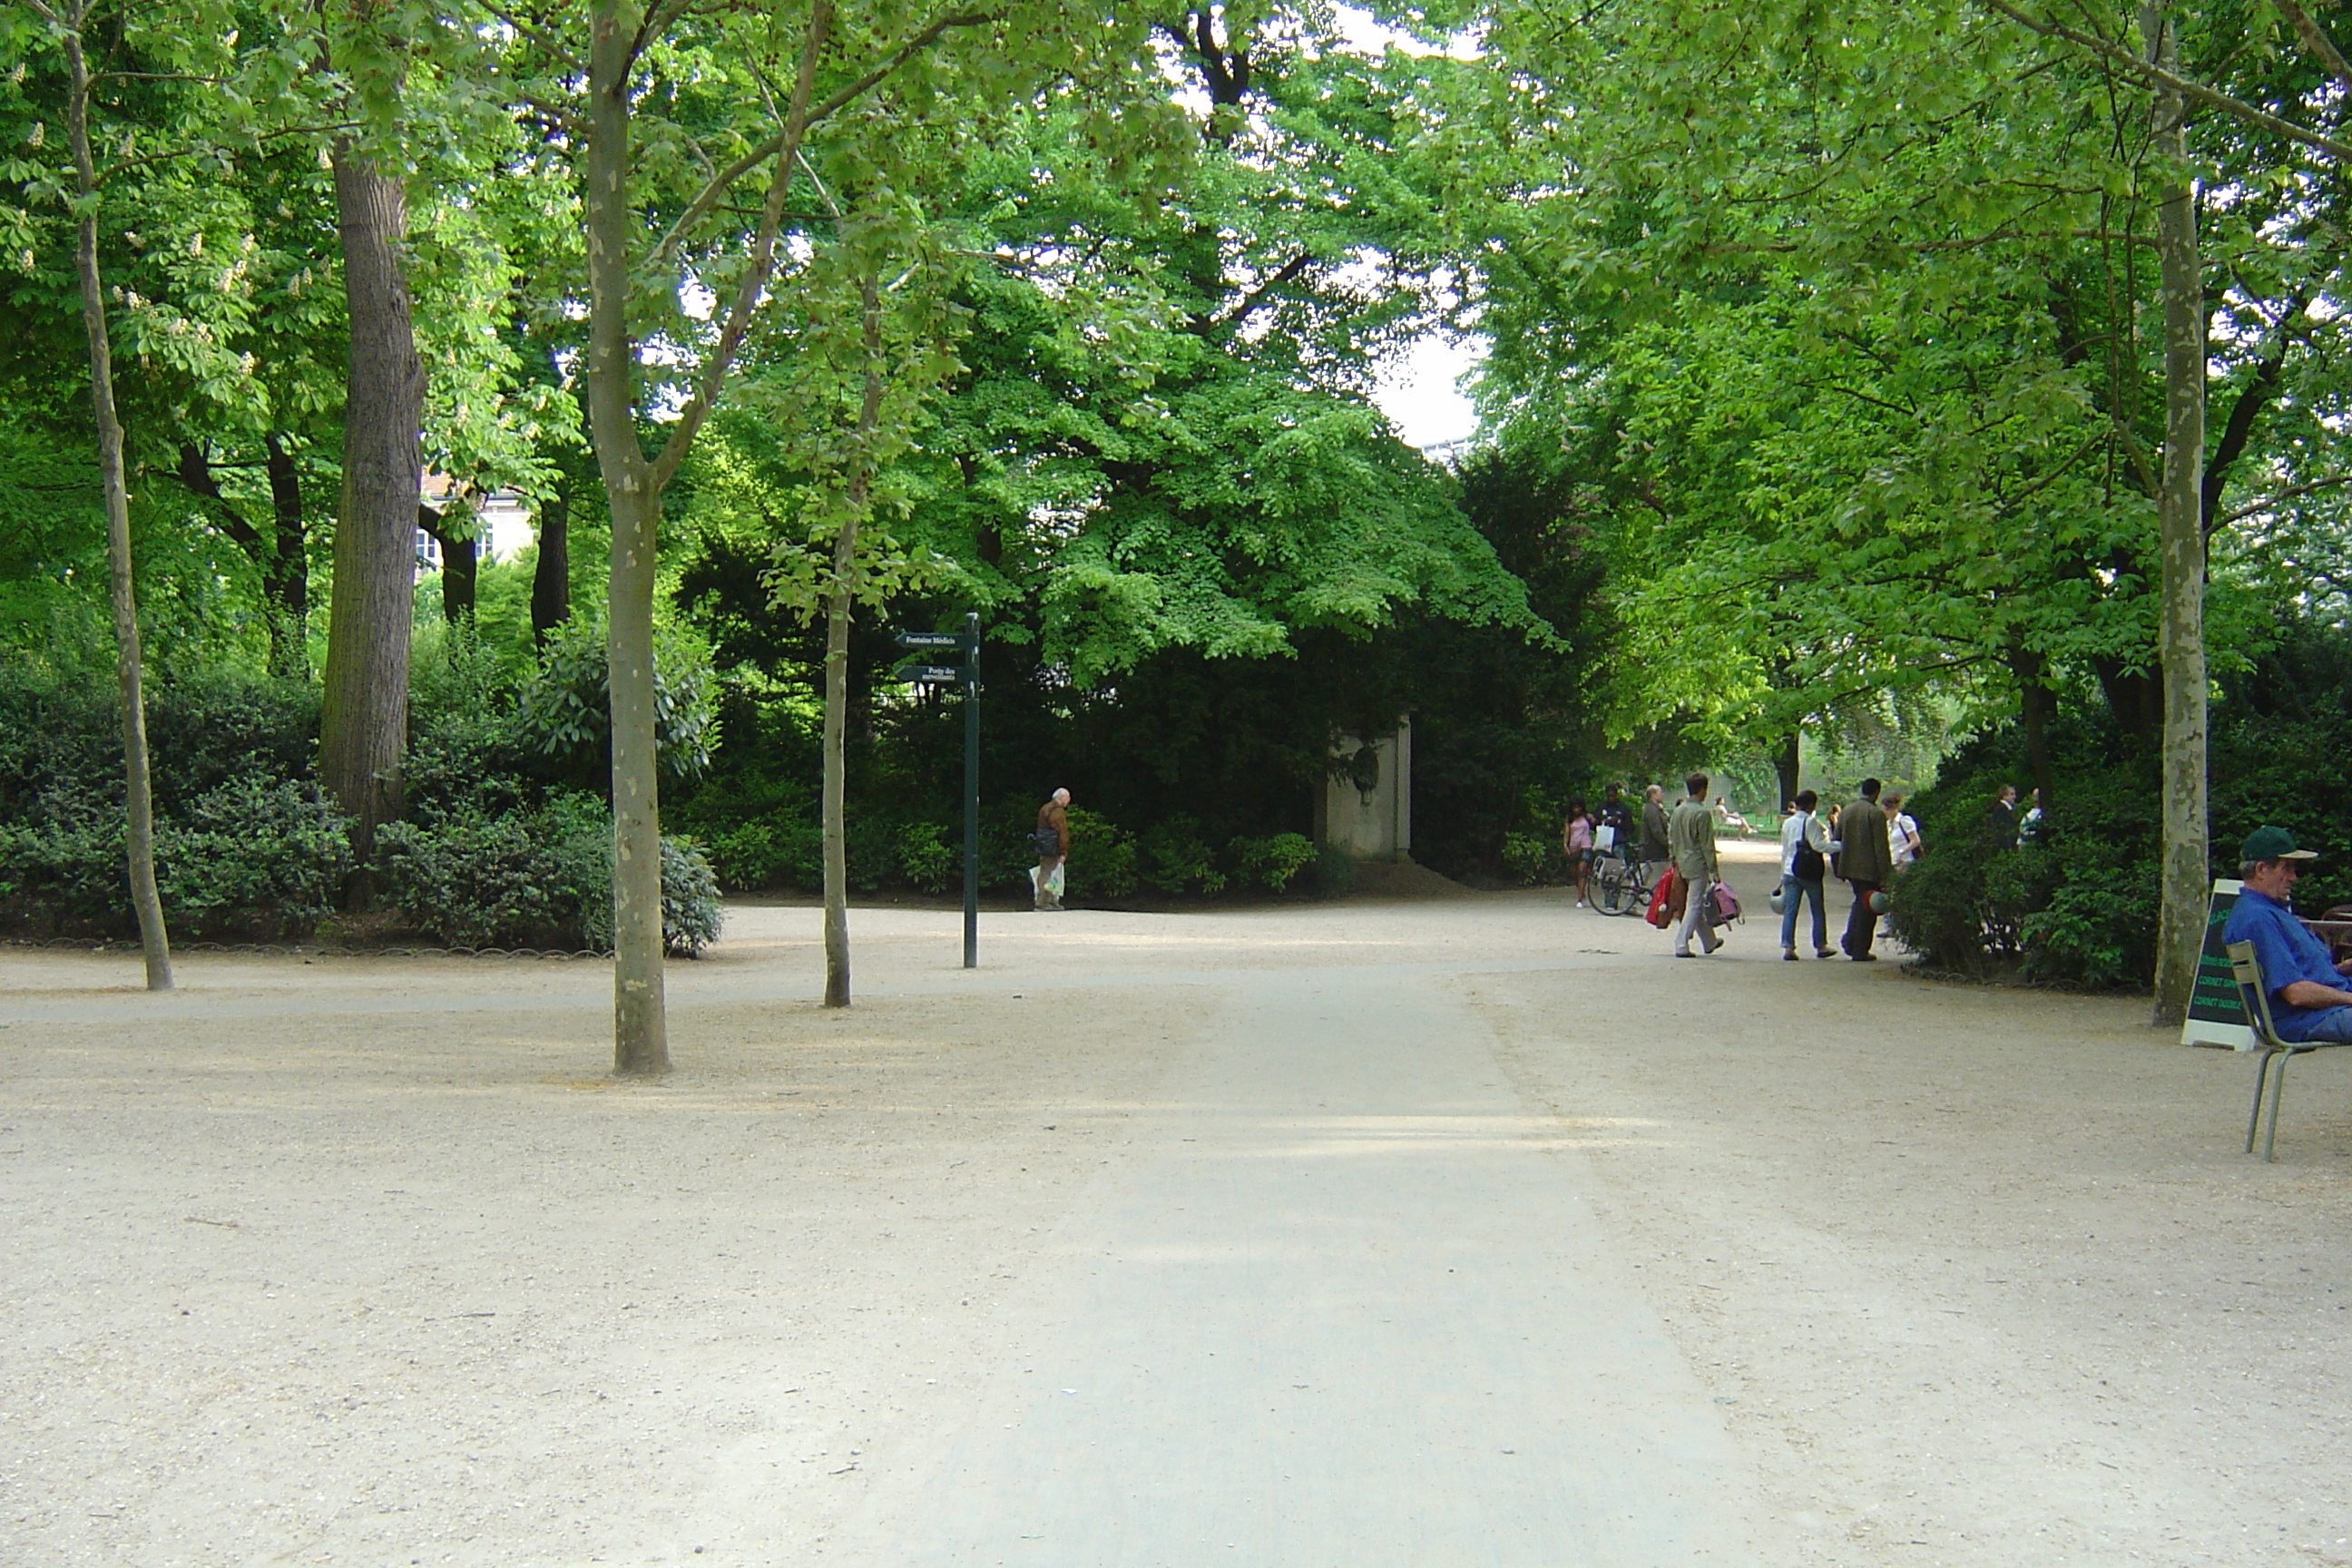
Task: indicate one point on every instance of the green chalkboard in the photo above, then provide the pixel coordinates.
(2217, 1015)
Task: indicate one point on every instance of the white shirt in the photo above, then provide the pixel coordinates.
(1900, 833)
(1802, 826)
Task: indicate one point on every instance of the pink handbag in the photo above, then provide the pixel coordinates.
(1727, 903)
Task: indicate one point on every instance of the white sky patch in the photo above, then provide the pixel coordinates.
(1419, 390)
(1371, 36)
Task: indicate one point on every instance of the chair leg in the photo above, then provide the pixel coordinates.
(2262, 1075)
(2278, 1084)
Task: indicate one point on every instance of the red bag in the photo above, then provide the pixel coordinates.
(1661, 899)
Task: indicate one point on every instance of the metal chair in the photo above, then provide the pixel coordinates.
(2256, 997)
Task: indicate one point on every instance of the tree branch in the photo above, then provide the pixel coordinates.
(754, 284)
(2321, 46)
(2244, 409)
(2271, 502)
(1259, 295)
(196, 475)
(787, 141)
(2154, 75)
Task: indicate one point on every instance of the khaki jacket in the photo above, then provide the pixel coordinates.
(1690, 834)
(1864, 854)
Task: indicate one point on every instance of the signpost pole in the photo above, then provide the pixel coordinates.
(967, 675)
(971, 791)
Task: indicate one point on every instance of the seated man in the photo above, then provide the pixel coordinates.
(2308, 998)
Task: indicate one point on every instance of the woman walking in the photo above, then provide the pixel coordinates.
(1804, 863)
(1576, 844)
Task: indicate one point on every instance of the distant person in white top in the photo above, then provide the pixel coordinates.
(1902, 831)
(1730, 818)
(1902, 842)
(1805, 848)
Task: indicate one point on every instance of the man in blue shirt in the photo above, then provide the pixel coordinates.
(2308, 998)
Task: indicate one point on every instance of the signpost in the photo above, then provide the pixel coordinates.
(2217, 1017)
(967, 675)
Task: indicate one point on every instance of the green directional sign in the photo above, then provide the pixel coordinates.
(933, 672)
(932, 639)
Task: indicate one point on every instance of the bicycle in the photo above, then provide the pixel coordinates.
(1620, 886)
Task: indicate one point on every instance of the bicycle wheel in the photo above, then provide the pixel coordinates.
(1614, 892)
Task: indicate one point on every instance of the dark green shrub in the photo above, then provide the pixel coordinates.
(1335, 874)
(1175, 858)
(1272, 862)
(926, 858)
(540, 878)
(564, 714)
(537, 878)
(254, 857)
(1102, 863)
(690, 913)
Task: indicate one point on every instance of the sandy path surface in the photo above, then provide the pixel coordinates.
(1454, 1230)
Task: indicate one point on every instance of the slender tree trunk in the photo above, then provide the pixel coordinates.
(836, 711)
(837, 663)
(363, 723)
(640, 1027)
(2180, 634)
(551, 581)
(1785, 764)
(145, 902)
(286, 575)
(2036, 705)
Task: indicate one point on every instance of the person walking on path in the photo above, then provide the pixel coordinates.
(1804, 865)
(1053, 847)
(1618, 818)
(1864, 862)
(1902, 843)
(1576, 844)
(1690, 833)
(1655, 851)
(1902, 831)
(2000, 818)
(2309, 997)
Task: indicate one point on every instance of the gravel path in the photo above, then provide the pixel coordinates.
(1446, 1231)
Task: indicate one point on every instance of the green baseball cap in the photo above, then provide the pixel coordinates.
(2274, 844)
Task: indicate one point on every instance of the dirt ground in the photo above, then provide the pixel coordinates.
(367, 1260)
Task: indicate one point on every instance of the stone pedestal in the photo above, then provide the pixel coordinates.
(1365, 810)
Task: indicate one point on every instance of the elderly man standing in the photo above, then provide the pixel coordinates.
(1655, 850)
(1690, 832)
(1053, 846)
(1865, 862)
(2308, 998)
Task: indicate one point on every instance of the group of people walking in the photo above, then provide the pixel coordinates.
(1864, 846)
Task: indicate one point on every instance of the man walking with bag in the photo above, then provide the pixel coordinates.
(1863, 863)
(1690, 834)
(1052, 838)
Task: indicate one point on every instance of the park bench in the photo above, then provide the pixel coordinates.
(2267, 1044)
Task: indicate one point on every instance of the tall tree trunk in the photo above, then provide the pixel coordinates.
(286, 575)
(640, 1026)
(551, 581)
(2036, 704)
(1785, 764)
(145, 902)
(2180, 632)
(363, 721)
(837, 663)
